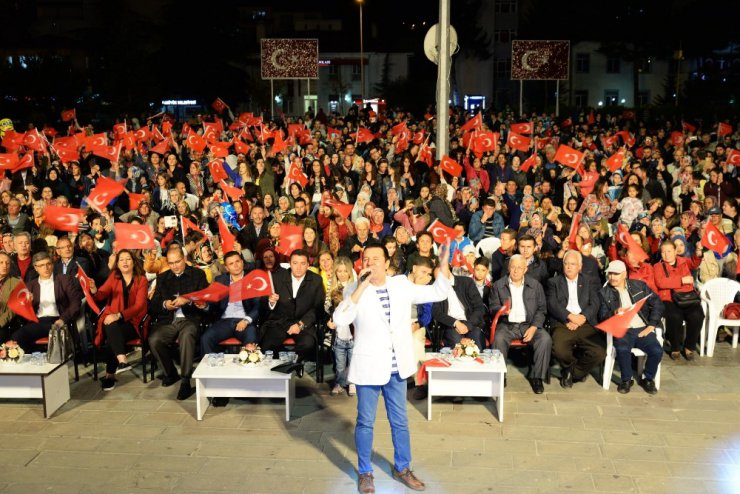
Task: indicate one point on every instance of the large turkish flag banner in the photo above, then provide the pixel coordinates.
(289, 58)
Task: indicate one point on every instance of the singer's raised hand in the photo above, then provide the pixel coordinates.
(444, 259)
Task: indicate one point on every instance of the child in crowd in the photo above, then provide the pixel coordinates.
(631, 206)
(343, 340)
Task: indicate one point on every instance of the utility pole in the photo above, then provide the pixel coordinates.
(443, 78)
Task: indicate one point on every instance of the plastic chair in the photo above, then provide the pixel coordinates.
(611, 356)
(488, 246)
(715, 295)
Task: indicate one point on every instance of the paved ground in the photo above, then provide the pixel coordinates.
(138, 438)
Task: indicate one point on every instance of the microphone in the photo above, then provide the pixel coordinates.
(364, 276)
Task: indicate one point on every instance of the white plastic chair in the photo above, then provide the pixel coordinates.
(611, 356)
(715, 294)
(488, 246)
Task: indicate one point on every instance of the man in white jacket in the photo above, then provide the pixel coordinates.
(379, 306)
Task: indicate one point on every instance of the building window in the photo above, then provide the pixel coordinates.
(580, 98)
(645, 65)
(502, 68)
(643, 98)
(583, 63)
(611, 97)
(356, 72)
(504, 35)
(613, 65)
(505, 6)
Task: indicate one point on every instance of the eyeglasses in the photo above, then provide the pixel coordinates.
(42, 265)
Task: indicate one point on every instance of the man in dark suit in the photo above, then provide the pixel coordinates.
(461, 315)
(68, 262)
(524, 319)
(233, 319)
(573, 305)
(177, 318)
(255, 230)
(293, 308)
(500, 258)
(56, 301)
(22, 266)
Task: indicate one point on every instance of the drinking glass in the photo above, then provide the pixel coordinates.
(212, 360)
(292, 356)
(283, 356)
(268, 355)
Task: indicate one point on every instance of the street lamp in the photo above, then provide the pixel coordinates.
(362, 56)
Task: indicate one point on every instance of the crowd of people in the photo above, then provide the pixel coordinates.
(546, 245)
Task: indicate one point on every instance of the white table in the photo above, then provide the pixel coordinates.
(50, 382)
(234, 380)
(467, 378)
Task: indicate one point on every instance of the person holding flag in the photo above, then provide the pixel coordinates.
(618, 295)
(7, 285)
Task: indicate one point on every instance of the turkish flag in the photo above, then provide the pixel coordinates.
(627, 138)
(254, 121)
(167, 128)
(629, 243)
(610, 141)
(256, 283)
(676, 138)
(111, 153)
(418, 137)
(279, 145)
(233, 192)
(96, 140)
(64, 219)
(297, 175)
(304, 137)
(65, 142)
(522, 128)
(134, 200)
(33, 140)
(459, 260)
(162, 147)
(212, 293)
(20, 301)
(119, 130)
(85, 285)
(363, 135)
(68, 115)
(210, 133)
(158, 136)
(484, 142)
(239, 146)
(49, 131)
(142, 134)
(195, 142)
(332, 133)
(106, 189)
(227, 238)
(8, 161)
(724, 129)
(25, 162)
(425, 155)
(341, 207)
(473, 123)
(220, 149)
(688, 127)
(66, 155)
(518, 142)
(733, 158)
(450, 166)
(187, 225)
(616, 160)
(219, 105)
(567, 123)
(398, 128)
(574, 225)
(715, 240)
(591, 118)
(568, 156)
(12, 140)
(216, 167)
(291, 238)
(402, 144)
(129, 140)
(529, 163)
(618, 324)
(440, 232)
(132, 236)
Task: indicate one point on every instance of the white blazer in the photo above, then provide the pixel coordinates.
(375, 339)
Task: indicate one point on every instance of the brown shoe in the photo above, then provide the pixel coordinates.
(366, 483)
(408, 478)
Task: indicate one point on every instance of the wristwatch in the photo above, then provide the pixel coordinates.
(301, 325)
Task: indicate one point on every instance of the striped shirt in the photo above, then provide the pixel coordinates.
(385, 303)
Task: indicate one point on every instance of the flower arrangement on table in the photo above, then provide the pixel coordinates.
(250, 354)
(10, 351)
(466, 348)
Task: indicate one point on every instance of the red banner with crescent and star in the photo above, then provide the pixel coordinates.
(289, 58)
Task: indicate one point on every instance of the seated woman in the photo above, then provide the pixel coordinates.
(124, 294)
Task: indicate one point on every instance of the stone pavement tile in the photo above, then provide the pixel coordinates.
(699, 455)
(577, 408)
(687, 439)
(534, 420)
(544, 463)
(628, 451)
(169, 463)
(730, 417)
(596, 396)
(645, 425)
(636, 466)
(174, 406)
(64, 414)
(631, 437)
(157, 418)
(530, 405)
(30, 428)
(607, 424)
(71, 444)
(484, 428)
(8, 412)
(522, 480)
(91, 460)
(593, 465)
(481, 459)
(106, 417)
(21, 442)
(41, 487)
(156, 446)
(99, 431)
(575, 480)
(638, 412)
(650, 484)
(12, 457)
(710, 471)
(440, 441)
(512, 446)
(613, 483)
(117, 404)
(343, 486)
(568, 449)
(550, 433)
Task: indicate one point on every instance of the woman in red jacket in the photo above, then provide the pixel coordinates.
(673, 275)
(124, 294)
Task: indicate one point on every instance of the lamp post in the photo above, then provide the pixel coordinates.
(362, 56)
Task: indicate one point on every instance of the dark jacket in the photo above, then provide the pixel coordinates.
(15, 270)
(536, 270)
(470, 299)
(651, 312)
(248, 237)
(304, 307)
(251, 305)
(439, 209)
(534, 300)
(169, 286)
(557, 299)
(499, 264)
(74, 263)
(67, 295)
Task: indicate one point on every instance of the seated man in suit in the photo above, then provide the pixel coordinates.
(293, 308)
(22, 265)
(524, 319)
(177, 319)
(68, 262)
(461, 314)
(7, 285)
(56, 301)
(573, 305)
(618, 295)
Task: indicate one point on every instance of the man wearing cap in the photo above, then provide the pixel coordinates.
(618, 295)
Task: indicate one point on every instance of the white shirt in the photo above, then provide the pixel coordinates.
(47, 299)
(573, 306)
(296, 283)
(518, 312)
(235, 310)
(455, 309)
(626, 303)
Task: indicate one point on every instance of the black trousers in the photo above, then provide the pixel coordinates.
(581, 349)
(163, 337)
(117, 334)
(275, 334)
(27, 335)
(674, 319)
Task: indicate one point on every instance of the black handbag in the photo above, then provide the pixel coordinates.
(683, 300)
